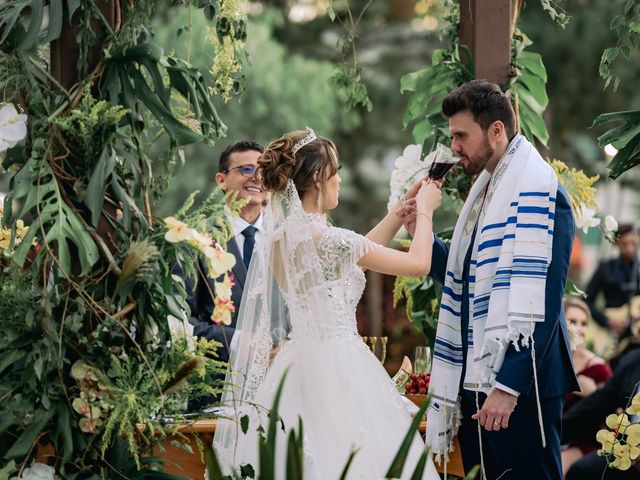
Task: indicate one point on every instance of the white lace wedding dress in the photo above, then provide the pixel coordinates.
(334, 383)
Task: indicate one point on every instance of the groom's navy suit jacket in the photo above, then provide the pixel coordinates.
(200, 299)
(553, 354)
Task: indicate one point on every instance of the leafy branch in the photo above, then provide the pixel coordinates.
(627, 28)
(556, 12)
(348, 76)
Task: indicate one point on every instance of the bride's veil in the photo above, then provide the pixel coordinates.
(284, 296)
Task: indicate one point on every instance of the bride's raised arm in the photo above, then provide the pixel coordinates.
(417, 261)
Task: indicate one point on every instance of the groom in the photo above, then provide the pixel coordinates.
(502, 363)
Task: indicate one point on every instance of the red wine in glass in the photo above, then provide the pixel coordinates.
(443, 160)
(440, 169)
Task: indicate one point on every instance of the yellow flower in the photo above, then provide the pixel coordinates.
(634, 408)
(80, 406)
(200, 240)
(21, 230)
(607, 439)
(633, 434)
(81, 370)
(223, 288)
(88, 425)
(222, 310)
(218, 260)
(634, 452)
(177, 231)
(615, 422)
(623, 457)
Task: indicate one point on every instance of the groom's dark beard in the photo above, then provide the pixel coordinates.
(478, 161)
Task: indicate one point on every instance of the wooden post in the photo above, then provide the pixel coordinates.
(486, 28)
(65, 51)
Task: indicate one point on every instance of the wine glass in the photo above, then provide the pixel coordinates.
(422, 360)
(442, 162)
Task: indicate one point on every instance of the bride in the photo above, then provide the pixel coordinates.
(298, 315)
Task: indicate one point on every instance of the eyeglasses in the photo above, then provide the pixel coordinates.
(245, 170)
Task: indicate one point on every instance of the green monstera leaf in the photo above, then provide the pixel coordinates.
(66, 235)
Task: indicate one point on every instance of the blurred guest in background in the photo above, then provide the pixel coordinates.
(631, 342)
(591, 370)
(618, 279)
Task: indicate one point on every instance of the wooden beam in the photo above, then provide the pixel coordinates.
(65, 50)
(486, 28)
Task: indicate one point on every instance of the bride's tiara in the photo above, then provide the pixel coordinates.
(310, 137)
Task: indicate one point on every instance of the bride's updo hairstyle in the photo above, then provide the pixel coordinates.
(285, 159)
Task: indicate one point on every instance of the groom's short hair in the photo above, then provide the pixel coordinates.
(486, 102)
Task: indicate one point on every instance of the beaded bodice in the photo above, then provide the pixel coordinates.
(343, 281)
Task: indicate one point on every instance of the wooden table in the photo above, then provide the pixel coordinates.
(180, 462)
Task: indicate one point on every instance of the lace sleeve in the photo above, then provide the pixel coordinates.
(340, 249)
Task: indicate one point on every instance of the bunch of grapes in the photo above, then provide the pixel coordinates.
(418, 384)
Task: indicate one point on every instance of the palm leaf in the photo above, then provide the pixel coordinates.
(625, 137)
(397, 465)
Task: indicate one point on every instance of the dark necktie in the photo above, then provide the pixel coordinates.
(249, 242)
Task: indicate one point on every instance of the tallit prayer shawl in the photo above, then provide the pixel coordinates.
(514, 211)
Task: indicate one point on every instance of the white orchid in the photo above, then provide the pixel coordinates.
(218, 260)
(13, 127)
(410, 156)
(587, 218)
(37, 471)
(177, 231)
(408, 168)
(610, 224)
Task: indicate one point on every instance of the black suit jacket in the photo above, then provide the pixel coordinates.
(617, 281)
(583, 420)
(200, 295)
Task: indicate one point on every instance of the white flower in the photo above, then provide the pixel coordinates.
(37, 471)
(177, 231)
(180, 327)
(410, 155)
(610, 224)
(587, 219)
(13, 127)
(218, 260)
(409, 167)
(200, 240)
(223, 289)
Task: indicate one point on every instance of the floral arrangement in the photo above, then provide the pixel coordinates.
(581, 191)
(218, 262)
(95, 350)
(408, 167)
(621, 441)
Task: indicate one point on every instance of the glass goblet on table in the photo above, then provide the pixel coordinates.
(422, 360)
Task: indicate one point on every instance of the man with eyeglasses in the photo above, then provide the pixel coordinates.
(236, 173)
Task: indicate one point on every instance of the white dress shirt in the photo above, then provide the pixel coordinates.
(238, 224)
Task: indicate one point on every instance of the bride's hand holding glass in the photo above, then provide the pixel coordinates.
(428, 198)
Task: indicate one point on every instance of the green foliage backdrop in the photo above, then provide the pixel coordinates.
(90, 360)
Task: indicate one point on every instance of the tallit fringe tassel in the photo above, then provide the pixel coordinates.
(453, 421)
(535, 385)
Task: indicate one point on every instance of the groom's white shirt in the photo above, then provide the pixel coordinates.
(238, 224)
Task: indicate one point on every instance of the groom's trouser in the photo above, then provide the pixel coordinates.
(515, 453)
